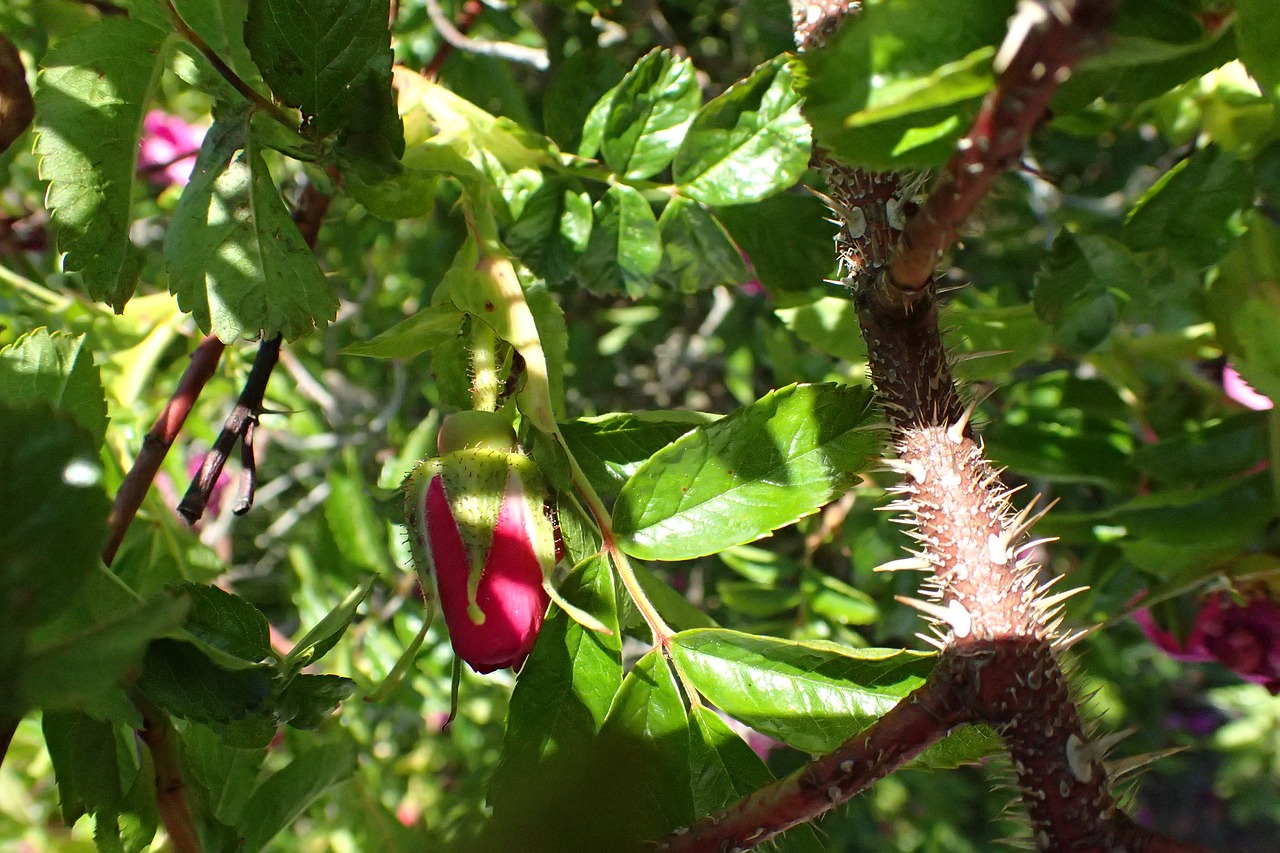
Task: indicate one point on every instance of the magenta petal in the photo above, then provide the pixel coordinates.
(510, 594)
(1242, 392)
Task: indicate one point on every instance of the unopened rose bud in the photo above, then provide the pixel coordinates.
(477, 514)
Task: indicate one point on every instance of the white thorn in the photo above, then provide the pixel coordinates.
(940, 645)
(955, 432)
(1045, 603)
(906, 564)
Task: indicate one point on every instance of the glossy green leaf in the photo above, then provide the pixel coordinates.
(1258, 33)
(812, 696)
(1189, 211)
(748, 143)
(756, 470)
(565, 688)
(697, 252)
(837, 601)
(1244, 303)
(56, 370)
(1081, 287)
(899, 88)
(89, 108)
(648, 114)
(329, 58)
(235, 257)
(787, 240)
(278, 801)
(421, 332)
(610, 448)
(625, 248)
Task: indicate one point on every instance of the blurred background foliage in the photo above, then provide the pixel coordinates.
(1106, 393)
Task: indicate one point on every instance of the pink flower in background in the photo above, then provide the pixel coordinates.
(1240, 391)
(167, 151)
(1245, 638)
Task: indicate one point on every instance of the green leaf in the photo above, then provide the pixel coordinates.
(812, 696)
(564, 690)
(1206, 454)
(57, 514)
(287, 793)
(235, 257)
(1007, 336)
(648, 114)
(838, 602)
(899, 88)
(85, 763)
(225, 624)
(424, 331)
(610, 448)
(1190, 210)
(625, 248)
(758, 469)
(830, 324)
(228, 773)
(58, 370)
(325, 634)
(787, 239)
(1081, 286)
(552, 230)
(358, 530)
(329, 58)
(309, 700)
(89, 108)
(187, 683)
(1244, 303)
(697, 251)
(748, 143)
(1258, 33)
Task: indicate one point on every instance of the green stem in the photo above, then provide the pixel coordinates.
(484, 367)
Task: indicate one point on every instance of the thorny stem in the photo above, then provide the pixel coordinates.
(995, 622)
(250, 94)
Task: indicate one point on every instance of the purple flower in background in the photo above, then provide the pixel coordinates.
(167, 151)
(1245, 638)
(1242, 392)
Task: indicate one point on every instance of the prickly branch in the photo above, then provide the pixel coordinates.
(995, 620)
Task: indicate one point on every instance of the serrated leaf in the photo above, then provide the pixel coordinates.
(748, 143)
(282, 797)
(625, 248)
(648, 114)
(424, 331)
(89, 106)
(758, 469)
(565, 688)
(228, 773)
(812, 696)
(55, 369)
(225, 623)
(1189, 211)
(610, 448)
(309, 700)
(236, 259)
(697, 252)
(1258, 33)
(899, 88)
(85, 763)
(329, 58)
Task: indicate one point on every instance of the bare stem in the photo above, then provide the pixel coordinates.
(161, 739)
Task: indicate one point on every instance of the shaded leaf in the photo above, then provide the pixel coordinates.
(278, 801)
(1081, 286)
(610, 448)
(187, 683)
(55, 369)
(787, 240)
(625, 248)
(1258, 33)
(697, 252)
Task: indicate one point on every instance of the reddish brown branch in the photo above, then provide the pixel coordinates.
(156, 444)
(1045, 41)
(908, 729)
(171, 800)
